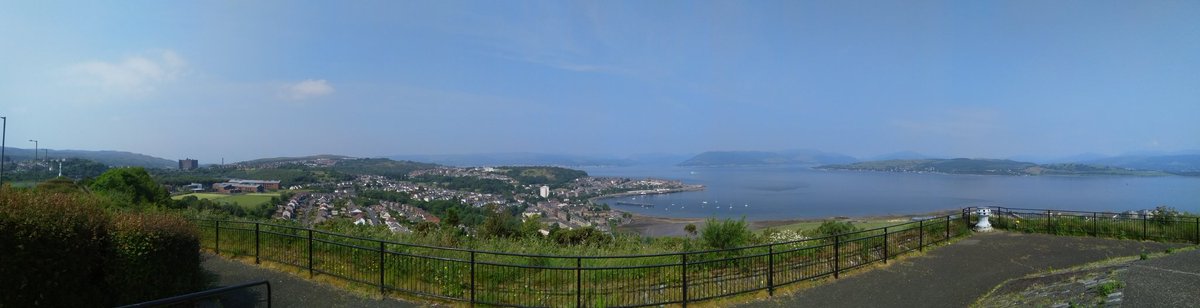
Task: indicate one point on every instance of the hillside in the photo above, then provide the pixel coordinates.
(515, 159)
(109, 158)
(987, 167)
(1179, 164)
(762, 158)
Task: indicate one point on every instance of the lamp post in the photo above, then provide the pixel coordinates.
(3, 137)
(35, 149)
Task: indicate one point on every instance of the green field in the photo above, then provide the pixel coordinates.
(244, 200)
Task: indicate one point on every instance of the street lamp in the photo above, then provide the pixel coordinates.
(35, 149)
(3, 138)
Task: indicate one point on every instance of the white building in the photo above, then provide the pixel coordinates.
(545, 191)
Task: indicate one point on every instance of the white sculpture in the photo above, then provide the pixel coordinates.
(983, 225)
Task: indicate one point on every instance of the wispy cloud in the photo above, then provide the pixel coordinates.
(306, 89)
(133, 76)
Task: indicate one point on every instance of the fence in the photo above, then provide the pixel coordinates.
(509, 279)
(1139, 226)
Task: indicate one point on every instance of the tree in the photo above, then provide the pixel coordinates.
(690, 229)
(727, 233)
(131, 186)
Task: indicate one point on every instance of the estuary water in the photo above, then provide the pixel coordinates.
(769, 193)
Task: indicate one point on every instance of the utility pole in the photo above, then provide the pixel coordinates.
(60, 167)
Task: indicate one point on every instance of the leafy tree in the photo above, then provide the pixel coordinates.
(1165, 215)
(726, 233)
(131, 185)
(499, 224)
(690, 229)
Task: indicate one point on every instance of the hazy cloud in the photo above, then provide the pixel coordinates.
(132, 76)
(306, 89)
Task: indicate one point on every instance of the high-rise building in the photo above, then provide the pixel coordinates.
(188, 164)
(544, 192)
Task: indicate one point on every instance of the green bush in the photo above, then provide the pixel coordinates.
(65, 250)
(581, 236)
(153, 249)
(726, 233)
(54, 248)
(833, 227)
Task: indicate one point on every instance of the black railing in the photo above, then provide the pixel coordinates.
(512, 279)
(1139, 226)
(203, 296)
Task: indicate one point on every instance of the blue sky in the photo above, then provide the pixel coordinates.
(243, 79)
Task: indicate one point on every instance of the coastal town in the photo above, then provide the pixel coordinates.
(400, 204)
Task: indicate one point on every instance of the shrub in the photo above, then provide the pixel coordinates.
(580, 236)
(831, 228)
(53, 249)
(64, 250)
(156, 250)
(726, 233)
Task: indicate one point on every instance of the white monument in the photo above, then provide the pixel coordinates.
(983, 225)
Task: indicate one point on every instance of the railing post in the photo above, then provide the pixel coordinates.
(578, 282)
(837, 256)
(256, 243)
(472, 278)
(1048, 223)
(770, 270)
(217, 240)
(310, 254)
(1095, 224)
(921, 235)
(683, 262)
(382, 290)
(1143, 227)
(947, 227)
(885, 245)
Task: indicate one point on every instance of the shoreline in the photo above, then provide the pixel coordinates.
(686, 188)
(659, 226)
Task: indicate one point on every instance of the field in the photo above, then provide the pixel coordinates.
(244, 200)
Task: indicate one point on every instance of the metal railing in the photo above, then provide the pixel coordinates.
(1140, 226)
(202, 295)
(525, 280)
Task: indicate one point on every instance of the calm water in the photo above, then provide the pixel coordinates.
(761, 193)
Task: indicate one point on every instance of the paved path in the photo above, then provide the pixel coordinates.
(1168, 281)
(286, 290)
(956, 275)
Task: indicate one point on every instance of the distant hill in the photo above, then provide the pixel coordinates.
(987, 167)
(276, 160)
(109, 158)
(515, 159)
(902, 155)
(1181, 164)
(762, 158)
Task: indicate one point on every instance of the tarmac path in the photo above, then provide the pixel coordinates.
(287, 290)
(958, 274)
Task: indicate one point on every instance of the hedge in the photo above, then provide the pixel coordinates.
(65, 250)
